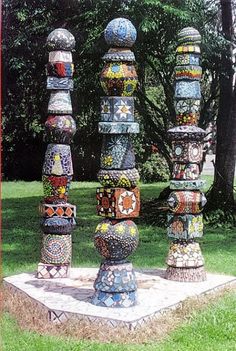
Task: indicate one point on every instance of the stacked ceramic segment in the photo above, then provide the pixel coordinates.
(186, 201)
(118, 198)
(58, 215)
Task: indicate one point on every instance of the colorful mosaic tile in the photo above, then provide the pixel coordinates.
(187, 152)
(186, 226)
(58, 160)
(60, 102)
(119, 79)
(60, 69)
(54, 83)
(115, 240)
(188, 171)
(118, 202)
(117, 152)
(188, 59)
(119, 54)
(117, 109)
(127, 178)
(186, 133)
(57, 210)
(59, 129)
(49, 271)
(189, 35)
(120, 32)
(56, 188)
(188, 72)
(117, 299)
(187, 90)
(187, 106)
(115, 276)
(187, 184)
(186, 201)
(184, 254)
(187, 118)
(188, 49)
(56, 249)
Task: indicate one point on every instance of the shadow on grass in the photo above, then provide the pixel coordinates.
(22, 236)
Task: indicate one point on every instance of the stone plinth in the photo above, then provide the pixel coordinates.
(70, 297)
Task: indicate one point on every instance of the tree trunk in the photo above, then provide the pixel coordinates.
(222, 195)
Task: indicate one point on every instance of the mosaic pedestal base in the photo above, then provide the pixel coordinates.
(114, 300)
(49, 271)
(69, 298)
(197, 274)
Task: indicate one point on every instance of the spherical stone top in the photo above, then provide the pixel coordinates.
(189, 35)
(60, 39)
(120, 32)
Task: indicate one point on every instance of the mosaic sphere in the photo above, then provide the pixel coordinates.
(120, 32)
(60, 39)
(115, 240)
(189, 35)
(59, 129)
(119, 79)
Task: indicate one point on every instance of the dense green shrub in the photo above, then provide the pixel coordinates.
(155, 169)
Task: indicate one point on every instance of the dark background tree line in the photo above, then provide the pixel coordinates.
(26, 25)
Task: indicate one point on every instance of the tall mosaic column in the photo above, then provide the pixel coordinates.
(118, 199)
(58, 214)
(186, 201)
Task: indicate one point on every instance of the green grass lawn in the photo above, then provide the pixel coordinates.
(21, 253)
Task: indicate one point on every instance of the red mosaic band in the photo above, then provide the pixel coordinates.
(57, 210)
(60, 69)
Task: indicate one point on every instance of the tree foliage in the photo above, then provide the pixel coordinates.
(26, 26)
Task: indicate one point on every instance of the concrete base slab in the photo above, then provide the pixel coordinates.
(70, 297)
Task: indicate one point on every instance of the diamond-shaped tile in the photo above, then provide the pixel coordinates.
(68, 212)
(59, 211)
(50, 211)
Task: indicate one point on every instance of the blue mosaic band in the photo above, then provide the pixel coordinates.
(54, 83)
(114, 299)
(187, 90)
(187, 184)
(115, 276)
(118, 128)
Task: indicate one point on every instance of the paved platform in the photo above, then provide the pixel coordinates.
(70, 297)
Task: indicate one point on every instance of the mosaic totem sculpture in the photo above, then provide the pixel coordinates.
(58, 216)
(118, 199)
(186, 201)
